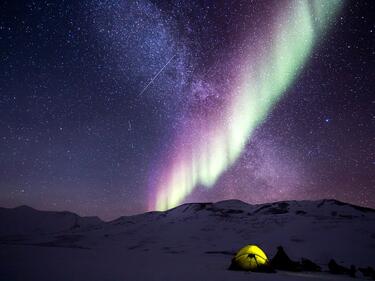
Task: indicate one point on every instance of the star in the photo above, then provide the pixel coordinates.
(240, 101)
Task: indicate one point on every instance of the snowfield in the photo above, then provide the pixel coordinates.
(191, 242)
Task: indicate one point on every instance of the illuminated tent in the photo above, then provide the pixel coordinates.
(251, 258)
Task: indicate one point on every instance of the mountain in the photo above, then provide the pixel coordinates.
(191, 242)
(25, 220)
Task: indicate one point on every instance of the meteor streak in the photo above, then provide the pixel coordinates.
(156, 76)
(207, 146)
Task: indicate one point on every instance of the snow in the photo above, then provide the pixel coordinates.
(26, 220)
(190, 242)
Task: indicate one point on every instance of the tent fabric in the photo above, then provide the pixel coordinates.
(251, 258)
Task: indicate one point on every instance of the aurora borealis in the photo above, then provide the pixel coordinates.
(213, 143)
(114, 108)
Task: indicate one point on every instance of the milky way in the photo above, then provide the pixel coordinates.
(140, 41)
(211, 143)
(113, 108)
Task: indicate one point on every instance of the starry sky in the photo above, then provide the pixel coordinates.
(114, 108)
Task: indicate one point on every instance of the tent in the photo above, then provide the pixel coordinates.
(251, 258)
(282, 261)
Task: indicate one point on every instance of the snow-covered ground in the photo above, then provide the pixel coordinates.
(191, 242)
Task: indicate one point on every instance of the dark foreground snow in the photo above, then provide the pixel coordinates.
(190, 242)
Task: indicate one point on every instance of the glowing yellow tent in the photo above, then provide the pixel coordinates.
(251, 258)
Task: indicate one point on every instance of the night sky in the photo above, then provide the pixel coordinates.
(113, 108)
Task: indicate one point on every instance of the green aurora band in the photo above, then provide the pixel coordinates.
(215, 146)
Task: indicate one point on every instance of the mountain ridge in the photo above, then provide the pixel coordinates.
(224, 204)
(203, 236)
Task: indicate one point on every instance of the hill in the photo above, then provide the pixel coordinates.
(191, 242)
